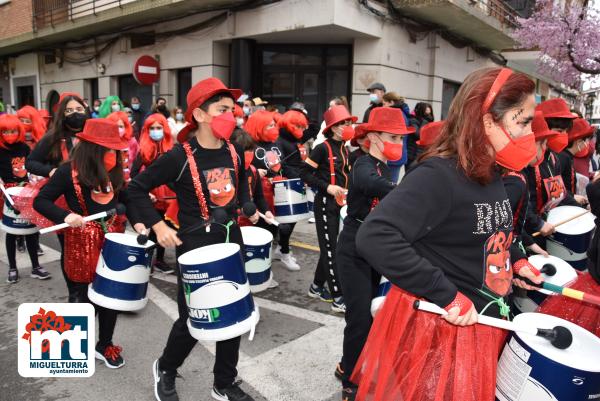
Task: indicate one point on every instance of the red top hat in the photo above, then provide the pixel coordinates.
(103, 132)
(429, 132)
(359, 133)
(387, 119)
(336, 115)
(555, 108)
(540, 127)
(581, 129)
(199, 94)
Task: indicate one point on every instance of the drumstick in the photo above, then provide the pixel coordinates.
(268, 220)
(535, 234)
(558, 336)
(564, 291)
(118, 210)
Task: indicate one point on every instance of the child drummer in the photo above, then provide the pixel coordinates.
(207, 174)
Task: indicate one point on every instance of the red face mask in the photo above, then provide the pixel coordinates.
(517, 153)
(347, 133)
(222, 126)
(391, 151)
(110, 160)
(248, 157)
(271, 134)
(10, 138)
(558, 142)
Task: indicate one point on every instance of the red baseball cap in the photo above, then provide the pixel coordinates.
(196, 97)
(387, 119)
(555, 108)
(581, 129)
(429, 132)
(103, 132)
(336, 115)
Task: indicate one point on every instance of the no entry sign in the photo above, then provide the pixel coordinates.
(146, 70)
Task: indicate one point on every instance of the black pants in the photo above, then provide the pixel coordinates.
(32, 241)
(160, 251)
(281, 233)
(359, 282)
(327, 220)
(180, 342)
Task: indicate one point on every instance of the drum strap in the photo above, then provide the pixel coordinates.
(573, 182)
(331, 164)
(538, 189)
(64, 150)
(196, 176)
(254, 180)
(78, 191)
(522, 200)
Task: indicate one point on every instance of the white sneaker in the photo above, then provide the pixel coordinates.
(289, 262)
(276, 253)
(311, 220)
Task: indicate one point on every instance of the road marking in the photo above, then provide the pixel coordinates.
(305, 246)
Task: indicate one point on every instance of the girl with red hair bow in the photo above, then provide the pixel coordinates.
(33, 123)
(155, 140)
(454, 253)
(13, 152)
(128, 154)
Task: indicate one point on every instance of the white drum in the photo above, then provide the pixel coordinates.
(257, 257)
(291, 204)
(12, 223)
(571, 240)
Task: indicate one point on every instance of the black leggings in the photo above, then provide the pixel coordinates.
(32, 241)
(282, 233)
(327, 219)
(160, 251)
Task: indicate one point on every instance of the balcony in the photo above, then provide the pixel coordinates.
(57, 21)
(485, 22)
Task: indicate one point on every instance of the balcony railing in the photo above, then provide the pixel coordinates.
(52, 12)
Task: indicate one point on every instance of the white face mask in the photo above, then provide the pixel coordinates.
(179, 116)
(374, 98)
(96, 108)
(115, 107)
(239, 121)
(156, 134)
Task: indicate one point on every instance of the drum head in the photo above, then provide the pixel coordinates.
(580, 225)
(127, 239)
(565, 274)
(207, 254)
(256, 236)
(584, 352)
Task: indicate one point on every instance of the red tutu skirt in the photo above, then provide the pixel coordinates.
(417, 356)
(172, 212)
(268, 193)
(581, 313)
(24, 202)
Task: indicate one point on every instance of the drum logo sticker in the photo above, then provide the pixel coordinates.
(56, 340)
(206, 315)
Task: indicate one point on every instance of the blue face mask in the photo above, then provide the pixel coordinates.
(135, 106)
(157, 134)
(374, 98)
(246, 110)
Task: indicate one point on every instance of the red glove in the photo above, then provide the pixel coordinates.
(462, 302)
(521, 263)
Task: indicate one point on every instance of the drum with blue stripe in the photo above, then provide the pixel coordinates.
(382, 290)
(122, 273)
(12, 223)
(217, 293)
(291, 204)
(529, 301)
(571, 240)
(532, 369)
(257, 257)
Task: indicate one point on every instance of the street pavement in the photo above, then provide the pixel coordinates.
(292, 357)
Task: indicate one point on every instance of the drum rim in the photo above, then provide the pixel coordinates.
(588, 219)
(132, 240)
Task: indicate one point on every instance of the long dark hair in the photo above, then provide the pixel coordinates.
(88, 160)
(420, 109)
(58, 131)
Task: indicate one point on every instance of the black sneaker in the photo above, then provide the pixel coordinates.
(40, 272)
(111, 355)
(322, 293)
(349, 393)
(339, 372)
(21, 244)
(164, 384)
(162, 267)
(13, 276)
(40, 251)
(231, 393)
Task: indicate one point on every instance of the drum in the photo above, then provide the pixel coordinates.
(382, 290)
(122, 273)
(343, 214)
(532, 369)
(291, 204)
(217, 293)
(528, 301)
(310, 198)
(13, 223)
(571, 240)
(257, 257)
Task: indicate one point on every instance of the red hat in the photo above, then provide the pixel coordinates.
(555, 108)
(581, 129)
(540, 127)
(103, 132)
(62, 97)
(387, 119)
(196, 97)
(359, 133)
(429, 132)
(336, 115)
